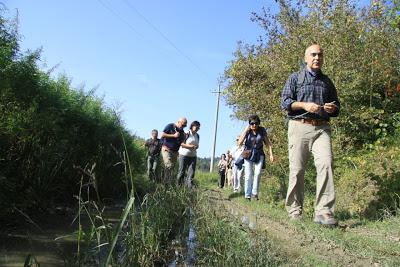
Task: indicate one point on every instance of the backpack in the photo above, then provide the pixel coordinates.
(301, 76)
(187, 136)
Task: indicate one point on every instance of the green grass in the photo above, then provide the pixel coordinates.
(144, 233)
(163, 216)
(377, 240)
(223, 242)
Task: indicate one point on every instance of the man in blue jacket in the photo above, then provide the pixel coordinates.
(172, 138)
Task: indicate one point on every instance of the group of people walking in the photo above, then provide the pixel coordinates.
(175, 146)
(310, 99)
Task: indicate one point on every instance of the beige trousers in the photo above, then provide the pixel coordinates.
(228, 175)
(169, 158)
(304, 140)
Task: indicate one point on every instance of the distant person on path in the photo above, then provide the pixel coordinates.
(188, 155)
(229, 165)
(236, 172)
(172, 138)
(222, 170)
(153, 146)
(253, 138)
(310, 98)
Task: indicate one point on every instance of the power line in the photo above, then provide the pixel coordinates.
(120, 18)
(164, 36)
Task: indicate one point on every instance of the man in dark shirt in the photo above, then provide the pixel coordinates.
(310, 98)
(153, 146)
(172, 137)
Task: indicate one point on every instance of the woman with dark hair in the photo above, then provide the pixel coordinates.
(188, 155)
(253, 137)
(222, 164)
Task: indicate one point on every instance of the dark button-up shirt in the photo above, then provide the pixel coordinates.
(316, 88)
(153, 146)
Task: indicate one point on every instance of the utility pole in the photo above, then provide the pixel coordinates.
(215, 128)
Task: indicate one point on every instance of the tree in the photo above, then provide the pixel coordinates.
(361, 49)
(361, 57)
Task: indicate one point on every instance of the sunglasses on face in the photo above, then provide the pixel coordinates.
(254, 123)
(317, 54)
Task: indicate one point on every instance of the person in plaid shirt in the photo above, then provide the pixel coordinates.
(310, 99)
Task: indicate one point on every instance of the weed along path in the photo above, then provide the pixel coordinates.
(306, 244)
(172, 226)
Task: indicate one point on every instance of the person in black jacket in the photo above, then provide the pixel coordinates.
(153, 146)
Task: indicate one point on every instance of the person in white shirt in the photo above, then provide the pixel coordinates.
(188, 155)
(236, 171)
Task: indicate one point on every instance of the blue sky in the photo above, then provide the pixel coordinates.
(124, 47)
(155, 61)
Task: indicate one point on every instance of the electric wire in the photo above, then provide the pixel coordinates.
(120, 18)
(165, 37)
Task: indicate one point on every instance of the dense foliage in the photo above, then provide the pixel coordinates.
(51, 134)
(361, 48)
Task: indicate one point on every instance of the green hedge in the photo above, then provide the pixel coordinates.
(50, 132)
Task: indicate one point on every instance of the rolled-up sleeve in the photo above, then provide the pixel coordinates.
(288, 95)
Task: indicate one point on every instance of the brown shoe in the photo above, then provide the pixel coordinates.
(325, 219)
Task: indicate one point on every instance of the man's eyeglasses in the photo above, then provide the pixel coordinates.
(317, 54)
(254, 123)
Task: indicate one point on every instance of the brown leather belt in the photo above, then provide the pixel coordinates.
(166, 148)
(313, 122)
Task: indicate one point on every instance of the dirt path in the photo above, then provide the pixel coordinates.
(289, 238)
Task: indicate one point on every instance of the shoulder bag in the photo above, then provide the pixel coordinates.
(247, 152)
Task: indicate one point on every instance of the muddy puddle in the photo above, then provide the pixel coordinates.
(189, 257)
(248, 219)
(51, 242)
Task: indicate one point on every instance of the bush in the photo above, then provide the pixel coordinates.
(371, 186)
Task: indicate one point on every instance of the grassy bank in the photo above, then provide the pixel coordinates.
(357, 239)
(156, 233)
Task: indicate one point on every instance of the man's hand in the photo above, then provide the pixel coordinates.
(176, 134)
(311, 107)
(330, 107)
